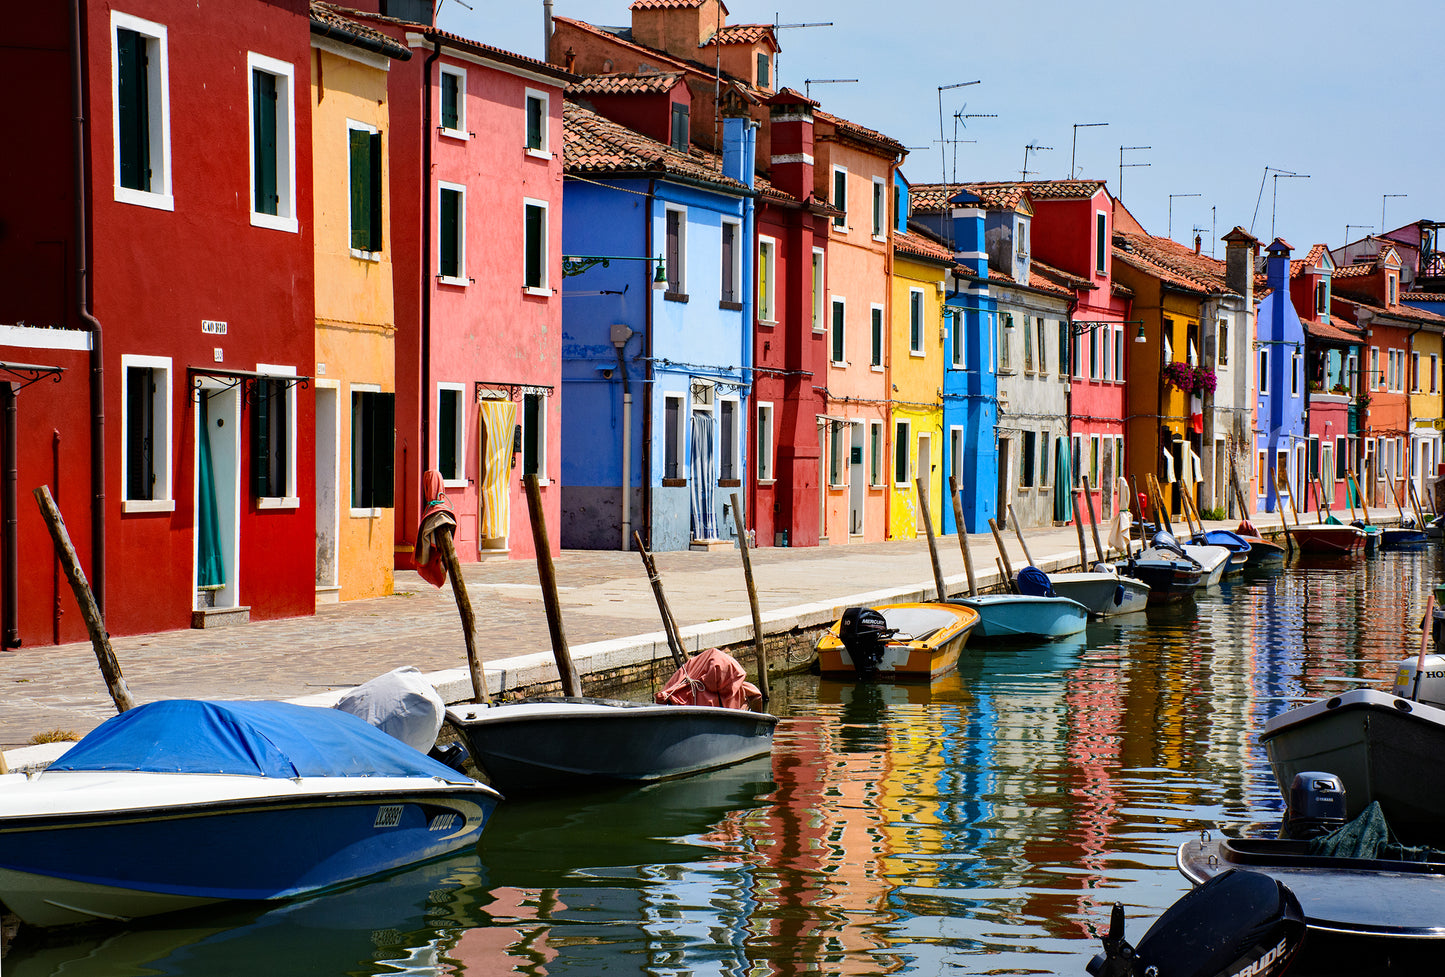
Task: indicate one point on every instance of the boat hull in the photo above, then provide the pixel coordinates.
(140, 859)
(1169, 581)
(1395, 538)
(1325, 538)
(1012, 616)
(1096, 591)
(921, 659)
(1382, 748)
(546, 745)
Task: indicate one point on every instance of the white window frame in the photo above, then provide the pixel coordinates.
(875, 440)
(1221, 344)
(739, 286)
(878, 315)
(289, 501)
(545, 151)
(1106, 354)
(765, 443)
(910, 462)
(543, 477)
(916, 307)
(161, 408)
(1028, 344)
(1101, 246)
(956, 450)
(879, 213)
(545, 289)
(1118, 354)
(836, 302)
(158, 112)
(1076, 461)
(285, 217)
(839, 223)
(1434, 373)
(356, 511)
(460, 132)
(820, 275)
(1263, 376)
(461, 433)
(461, 276)
(767, 316)
(960, 340)
(679, 443)
(1414, 371)
(1294, 374)
(681, 211)
(353, 125)
(729, 449)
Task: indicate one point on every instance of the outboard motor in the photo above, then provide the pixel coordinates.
(1315, 805)
(1236, 923)
(1166, 541)
(865, 634)
(1427, 686)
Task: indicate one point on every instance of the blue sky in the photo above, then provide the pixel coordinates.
(1340, 91)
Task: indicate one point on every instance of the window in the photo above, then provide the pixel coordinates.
(955, 456)
(365, 177)
(451, 233)
(915, 321)
(1352, 367)
(675, 256)
(1294, 375)
(1005, 358)
(681, 132)
(1322, 293)
(1119, 353)
(1326, 470)
(1094, 461)
(880, 208)
(875, 454)
(1042, 351)
(1022, 238)
(1221, 344)
(1414, 372)
(1028, 344)
(727, 453)
(765, 442)
(1261, 473)
(840, 196)
(875, 337)
(1434, 373)
(1264, 371)
(1063, 347)
(1076, 462)
(537, 124)
(1391, 285)
(1375, 379)
(819, 324)
(451, 434)
(672, 435)
(1341, 456)
(767, 278)
(534, 259)
(1093, 354)
(765, 65)
(1078, 350)
(1106, 354)
(373, 422)
(146, 421)
(140, 113)
(960, 340)
(1101, 242)
(835, 454)
(837, 332)
(273, 442)
(1026, 460)
(1044, 459)
(273, 141)
(901, 443)
(454, 103)
(534, 435)
(732, 266)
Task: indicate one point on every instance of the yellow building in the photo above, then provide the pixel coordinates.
(355, 323)
(1427, 352)
(916, 444)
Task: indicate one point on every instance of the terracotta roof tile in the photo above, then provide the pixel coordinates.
(330, 17)
(1315, 254)
(465, 43)
(1363, 269)
(654, 57)
(1406, 312)
(1330, 331)
(596, 145)
(1121, 290)
(1171, 262)
(625, 84)
(741, 34)
(916, 243)
(664, 4)
(932, 198)
(1057, 276)
(1422, 297)
(860, 132)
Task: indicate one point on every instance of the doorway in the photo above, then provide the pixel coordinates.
(923, 473)
(857, 477)
(328, 497)
(1003, 477)
(217, 538)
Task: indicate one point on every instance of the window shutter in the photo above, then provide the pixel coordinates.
(383, 426)
(375, 170)
(728, 287)
(360, 189)
(447, 229)
(261, 407)
(263, 136)
(138, 395)
(450, 97)
(536, 236)
(133, 110)
(674, 254)
(531, 435)
(534, 123)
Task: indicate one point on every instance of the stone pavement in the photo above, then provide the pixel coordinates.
(609, 616)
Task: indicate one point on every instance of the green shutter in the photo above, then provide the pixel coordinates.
(360, 189)
(449, 253)
(450, 99)
(375, 203)
(447, 433)
(531, 434)
(837, 333)
(261, 407)
(383, 449)
(536, 240)
(535, 123)
(263, 136)
(133, 110)
(139, 394)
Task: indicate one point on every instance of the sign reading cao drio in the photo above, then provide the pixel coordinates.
(213, 327)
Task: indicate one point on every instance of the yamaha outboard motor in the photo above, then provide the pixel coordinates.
(865, 634)
(1166, 541)
(1236, 923)
(1315, 805)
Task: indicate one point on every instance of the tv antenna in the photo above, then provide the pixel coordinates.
(1384, 197)
(1123, 165)
(1030, 148)
(1075, 147)
(1170, 232)
(942, 139)
(1363, 227)
(778, 26)
(808, 83)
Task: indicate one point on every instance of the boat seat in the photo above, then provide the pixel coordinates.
(917, 623)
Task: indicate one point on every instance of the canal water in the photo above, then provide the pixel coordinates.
(983, 825)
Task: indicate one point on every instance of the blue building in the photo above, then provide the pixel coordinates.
(1281, 441)
(656, 337)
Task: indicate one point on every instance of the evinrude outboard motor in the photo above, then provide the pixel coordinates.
(865, 634)
(1315, 805)
(1236, 923)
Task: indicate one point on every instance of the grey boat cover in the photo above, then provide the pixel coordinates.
(1369, 836)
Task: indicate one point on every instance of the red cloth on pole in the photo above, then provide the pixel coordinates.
(712, 678)
(436, 512)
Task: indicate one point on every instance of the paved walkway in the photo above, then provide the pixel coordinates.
(608, 611)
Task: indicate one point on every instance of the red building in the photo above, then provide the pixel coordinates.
(160, 245)
(476, 190)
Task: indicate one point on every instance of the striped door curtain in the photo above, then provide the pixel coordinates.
(497, 422)
(703, 487)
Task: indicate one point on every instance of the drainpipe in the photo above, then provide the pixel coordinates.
(621, 334)
(547, 37)
(745, 396)
(426, 268)
(82, 308)
(648, 379)
(55, 557)
(9, 508)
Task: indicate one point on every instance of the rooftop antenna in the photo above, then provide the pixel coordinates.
(961, 118)
(942, 139)
(1075, 148)
(1197, 230)
(808, 83)
(1170, 232)
(1363, 227)
(1030, 148)
(777, 84)
(1267, 171)
(1384, 197)
(1274, 195)
(1123, 165)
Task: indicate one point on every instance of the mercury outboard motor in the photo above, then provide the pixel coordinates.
(1238, 923)
(1315, 805)
(865, 634)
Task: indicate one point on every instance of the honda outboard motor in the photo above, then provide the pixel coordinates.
(1236, 923)
(1315, 805)
(865, 634)
(1427, 686)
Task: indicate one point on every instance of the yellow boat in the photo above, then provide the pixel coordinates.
(896, 641)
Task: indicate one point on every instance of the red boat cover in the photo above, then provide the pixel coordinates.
(436, 513)
(712, 678)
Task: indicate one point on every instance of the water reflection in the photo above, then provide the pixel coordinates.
(983, 824)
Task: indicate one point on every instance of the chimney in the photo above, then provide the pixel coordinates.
(970, 249)
(1239, 247)
(739, 155)
(1198, 245)
(1277, 266)
(791, 163)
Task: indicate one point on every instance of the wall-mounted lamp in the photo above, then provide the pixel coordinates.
(576, 264)
(659, 278)
(1139, 336)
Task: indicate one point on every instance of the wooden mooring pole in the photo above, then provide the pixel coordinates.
(443, 538)
(932, 543)
(963, 536)
(547, 575)
(669, 625)
(1018, 532)
(758, 652)
(1008, 569)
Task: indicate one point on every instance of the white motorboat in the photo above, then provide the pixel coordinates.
(1213, 561)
